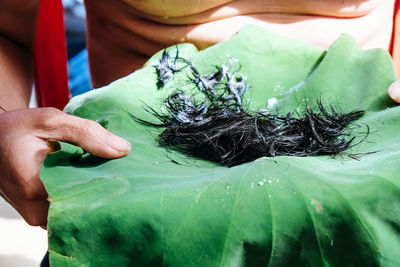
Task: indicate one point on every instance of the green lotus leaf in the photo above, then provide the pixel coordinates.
(158, 207)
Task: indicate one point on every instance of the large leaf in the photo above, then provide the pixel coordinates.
(147, 210)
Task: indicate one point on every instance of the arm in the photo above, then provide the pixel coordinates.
(394, 89)
(17, 36)
(23, 132)
(396, 42)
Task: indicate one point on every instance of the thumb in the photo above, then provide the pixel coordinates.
(394, 91)
(89, 135)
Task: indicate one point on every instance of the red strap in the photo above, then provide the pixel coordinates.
(50, 53)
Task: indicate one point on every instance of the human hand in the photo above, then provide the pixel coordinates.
(23, 147)
(394, 91)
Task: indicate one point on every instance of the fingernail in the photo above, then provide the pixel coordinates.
(394, 91)
(118, 143)
(53, 145)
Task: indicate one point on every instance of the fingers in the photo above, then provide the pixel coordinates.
(20, 182)
(34, 212)
(394, 91)
(24, 143)
(91, 136)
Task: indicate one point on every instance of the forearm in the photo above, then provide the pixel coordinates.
(16, 74)
(17, 37)
(396, 44)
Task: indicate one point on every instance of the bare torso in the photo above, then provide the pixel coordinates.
(122, 34)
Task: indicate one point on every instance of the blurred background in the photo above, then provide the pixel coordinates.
(22, 245)
(75, 27)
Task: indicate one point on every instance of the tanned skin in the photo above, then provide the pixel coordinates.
(122, 34)
(23, 132)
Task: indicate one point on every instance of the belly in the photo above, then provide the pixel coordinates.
(183, 11)
(127, 32)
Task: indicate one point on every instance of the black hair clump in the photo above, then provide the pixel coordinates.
(213, 124)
